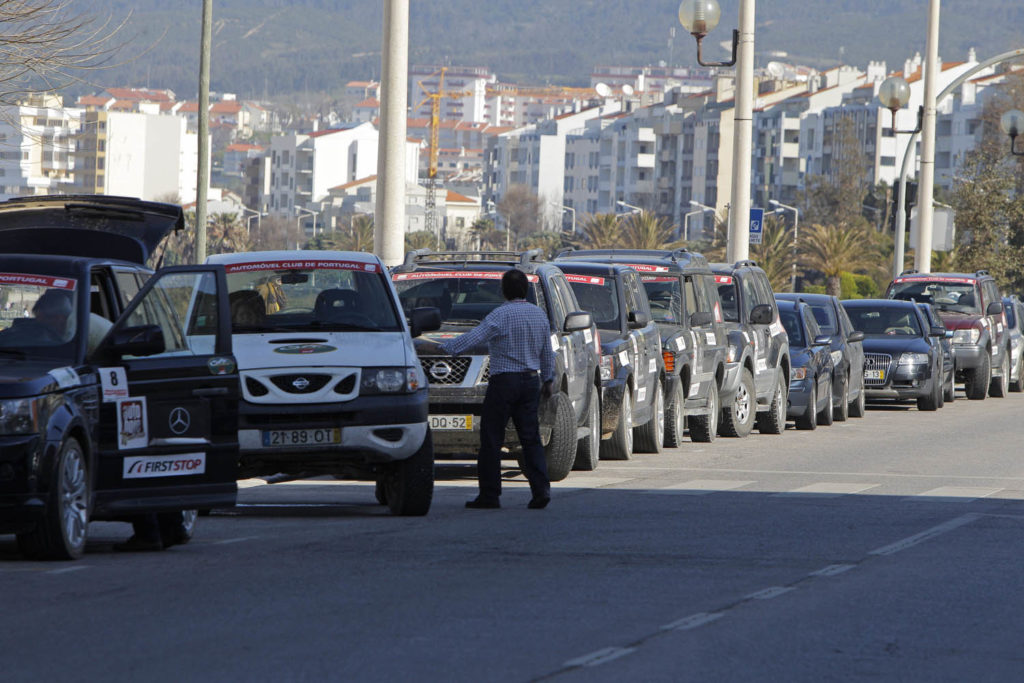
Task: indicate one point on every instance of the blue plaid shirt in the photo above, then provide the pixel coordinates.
(518, 339)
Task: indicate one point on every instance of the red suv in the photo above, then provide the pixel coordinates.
(970, 305)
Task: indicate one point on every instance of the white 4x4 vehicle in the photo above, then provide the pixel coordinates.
(330, 381)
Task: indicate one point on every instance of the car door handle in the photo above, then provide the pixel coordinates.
(210, 391)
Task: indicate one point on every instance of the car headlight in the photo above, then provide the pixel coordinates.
(913, 359)
(837, 357)
(733, 354)
(607, 367)
(1015, 342)
(968, 336)
(19, 416)
(389, 380)
(796, 374)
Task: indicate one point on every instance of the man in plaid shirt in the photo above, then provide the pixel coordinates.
(518, 338)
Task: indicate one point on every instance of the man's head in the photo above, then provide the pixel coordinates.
(53, 309)
(514, 285)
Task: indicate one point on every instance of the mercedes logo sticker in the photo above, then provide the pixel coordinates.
(179, 420)
(440, 370)
(301, 383)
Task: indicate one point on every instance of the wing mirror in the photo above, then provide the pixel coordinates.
(425, 319)
(994, 308)
(762, 314)
(937, 331)
(823, 340)
(949, 334)
(855, 336)
(701, 318)
(578, 320)
(637, 319)
(144, 340)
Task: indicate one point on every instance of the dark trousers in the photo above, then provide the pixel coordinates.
(515, 395)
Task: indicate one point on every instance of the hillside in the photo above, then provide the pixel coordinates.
(278, 47)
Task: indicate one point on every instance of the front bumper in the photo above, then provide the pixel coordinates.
(799, 398)
(968, 356)
(23, 491)
(905, 382)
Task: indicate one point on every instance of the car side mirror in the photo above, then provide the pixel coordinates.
(994, 308)
(144, 340)
(855, 336)
(425, 319)
(949, 334)
(937, 331)
(823, 340)
(762, 314)
(701, 318)
(637, 319)
(578, 320)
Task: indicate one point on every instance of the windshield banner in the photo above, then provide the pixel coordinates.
(644, 268)
(585, 279)
(37, 280)
(463, 274)
(928, 280)
(300, 265)
(657, 278)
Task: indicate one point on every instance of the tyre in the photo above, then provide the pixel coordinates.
(841, 411)
(177, 528)
(999, 387)
(620, 445)
(704, 427)
(62, 531)
(675, 417)
(949, 391)
(409, 486)
(1017, 386)
(931, 401)
(976, 380)
(738, 419)
(588, 448)
(774, 420)
(809, 420)
(649, 436)
(858, 406)
(825, 416)
(560, 452)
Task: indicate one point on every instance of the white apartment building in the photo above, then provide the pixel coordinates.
(37, 147)
(470, 82)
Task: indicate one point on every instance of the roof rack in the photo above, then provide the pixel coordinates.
(981, 272)
(563, 251)
(910, 271)
(466, 257)
(745, 262)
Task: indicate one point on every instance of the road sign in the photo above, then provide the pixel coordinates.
(756, 225)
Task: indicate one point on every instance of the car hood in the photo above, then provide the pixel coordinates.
(306, 349)
(86, 225)
(954, 320)
(894, 345)
(21, 378)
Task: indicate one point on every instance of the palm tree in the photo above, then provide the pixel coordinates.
(645, 230)
(548, 242)
(486, 236)
(831, 250)
(226, 234)
(599, 231)
(360, 237)
(421, 239)
(775, 254)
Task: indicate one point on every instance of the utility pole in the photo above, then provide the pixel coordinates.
(739, 216)
(203, 175)
(925, 188)
(389, 218)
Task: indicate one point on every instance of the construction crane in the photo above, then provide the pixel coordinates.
(435, 124)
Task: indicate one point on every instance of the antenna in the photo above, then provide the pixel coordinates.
(627, 90)
(603, 89)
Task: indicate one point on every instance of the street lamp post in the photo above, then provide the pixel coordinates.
(701, 209)
(1012, 123)
(633, 209)
(572, 213)
(248, 221)
(796, 234)
(311, 212)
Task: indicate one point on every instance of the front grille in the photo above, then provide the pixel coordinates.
(877, 361)
(486, 374)
(445, 371)
(300, 384)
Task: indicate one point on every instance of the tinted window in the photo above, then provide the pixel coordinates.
(727, 294)
(751, 295)
(664, 297)
(794, 330)
(464, 297)
(825, 316)
(599, 296)
(40, 315)
(885, 321)
(946, 294)
(1011, 314)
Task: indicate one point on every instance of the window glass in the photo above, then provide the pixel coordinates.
(1011, 315)
(751, 295)
(825, 316)
(598, 296)
(464, 297)
(168, 304)
(127, 285)
(813, 329)
(791, 321)
(946, 294)
(663, 297)
(38, 315)
(884, 321)
(727, 294)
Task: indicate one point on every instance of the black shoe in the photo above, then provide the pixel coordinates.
(538, 503)
(137, 544)
(482, 504)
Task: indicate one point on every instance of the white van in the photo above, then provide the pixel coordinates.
(330, 381)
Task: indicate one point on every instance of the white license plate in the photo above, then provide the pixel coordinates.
(452, 422)
(874, 374)
(300, 437)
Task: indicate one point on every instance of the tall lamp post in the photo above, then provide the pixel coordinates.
(699, 17)
(301, 211)
(701, 209)
(248, 221)
(796, 234)
(572, 213)
(632, 209)
(1012, 123)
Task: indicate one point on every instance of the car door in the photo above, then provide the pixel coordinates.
(648, 338)
(575, 344)
(169, 432)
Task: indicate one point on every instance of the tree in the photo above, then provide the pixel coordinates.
(836, 198)
(226, 233)
(486, 236)
(645, 230)
(421, 239)
(832, 250)
(548, 242)
(521, 209)
(775, 253)
(599, 231)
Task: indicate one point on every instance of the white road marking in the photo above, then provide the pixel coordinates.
(600, 656)
(228, 541)
(702, 487)
(888, 475)
(833, 570)
(692, 621)
(769, 593)
(911, 541)
(67, 570)
(954, 494)
(826, 489)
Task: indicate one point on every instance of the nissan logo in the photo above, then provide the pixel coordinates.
(300, 383)
(440, 370)
(179, 420)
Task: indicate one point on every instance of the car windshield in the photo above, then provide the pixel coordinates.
(946, 294)
(826, 318)
(599, 297)
(794, 330)
(727, 292)
(309, 295)
(883, 321)
(664, 295)
(38, 316)
(464, 297)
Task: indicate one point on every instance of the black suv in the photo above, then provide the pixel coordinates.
(684, 301)
(632, 403)
(757, 362)
(110, 405)
(970, 305)
(465, 287)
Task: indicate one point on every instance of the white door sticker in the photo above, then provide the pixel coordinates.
(694, 388)
(641, 395)
(65, 377)
(114, 382)
(623, 358)
(652, 366)
(709, 337)
(680, 343)
(132, 425)
(554, 343)
(588, 336)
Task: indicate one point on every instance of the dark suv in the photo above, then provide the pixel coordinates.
(684, 301)
(632, 403)
(757, 363)
(970, 305)
(465, 287)
(109, 406)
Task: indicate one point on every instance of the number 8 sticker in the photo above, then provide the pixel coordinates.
(114, 383)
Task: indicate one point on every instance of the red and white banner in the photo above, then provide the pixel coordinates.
(927, 279)
(38, 280)
(644, 268)
(257, 266)
(459, 274)
(657, 278)
(723, 279)
(585, 279)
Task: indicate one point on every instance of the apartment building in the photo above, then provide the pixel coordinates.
(37, 152)
(469, 82)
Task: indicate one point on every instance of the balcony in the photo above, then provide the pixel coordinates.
(644, 161)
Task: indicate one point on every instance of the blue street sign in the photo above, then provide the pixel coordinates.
(756, 225)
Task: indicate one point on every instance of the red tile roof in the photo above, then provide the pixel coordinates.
(94, 100)
(369, 103)
(243, 147)
(354, 183)
(140, 94)
(455, 197)
(226, 107)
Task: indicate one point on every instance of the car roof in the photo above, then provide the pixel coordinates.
(293, 255)
(939, 277)
(591, 268)
(805, 296)
(45, 264)
(730, 268)
(876, 303)
(671, 259)
(531, 261)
